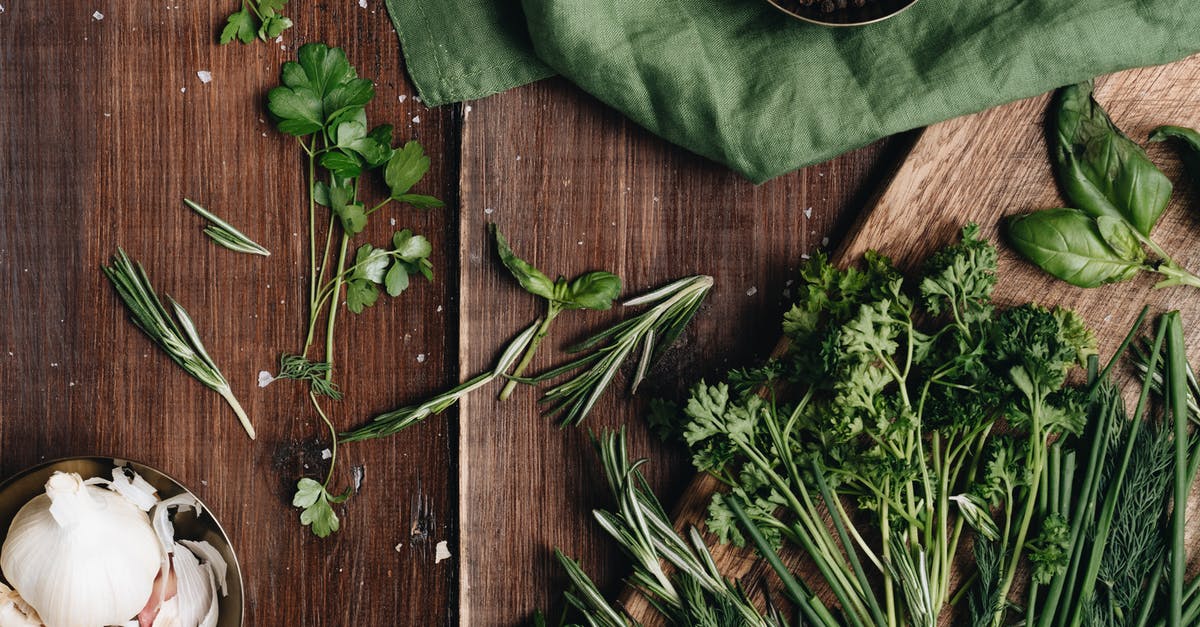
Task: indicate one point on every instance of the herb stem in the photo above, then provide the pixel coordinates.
(1177, 373)
(333, 307)
(332, 436)
(551, 313)
(227, 394)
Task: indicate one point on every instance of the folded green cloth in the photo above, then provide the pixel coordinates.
(742, 84)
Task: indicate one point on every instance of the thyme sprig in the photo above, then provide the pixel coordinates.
(176, 337)
(224, 234)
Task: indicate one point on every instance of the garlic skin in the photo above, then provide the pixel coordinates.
(81, 555)
(14, 611)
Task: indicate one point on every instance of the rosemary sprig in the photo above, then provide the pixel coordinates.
(651, 332)
(694, 594)
(225, 235)
(399, 419)
(179, 341)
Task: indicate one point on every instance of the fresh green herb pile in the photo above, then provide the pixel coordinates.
(897, 430)
(1117, 196)
(322, 102)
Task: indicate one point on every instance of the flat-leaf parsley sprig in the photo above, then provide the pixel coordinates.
(322, 102)
(257, 18)
(179, 341)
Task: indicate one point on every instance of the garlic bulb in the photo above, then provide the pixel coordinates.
(81, 555)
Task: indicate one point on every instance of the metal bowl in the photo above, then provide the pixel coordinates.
(17, 491)
(872, 11)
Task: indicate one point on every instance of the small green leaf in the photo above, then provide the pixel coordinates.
(593, 290)
(396, 279)
(321, 194)
(406, 167)
(344, 165)
(298, 110)
(361, 294)
(320, 517)
(239, 26)
(353, 217)
(273, 26)
(1068, 244)
(370, 263)
(421, 201)
(274, 6)
(1189, 139)
(308, 492)
(374, 147)
(530, 278)
(411, 247)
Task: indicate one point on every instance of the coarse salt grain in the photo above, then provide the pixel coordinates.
(441, 552)
(421, 358)
(752, 291)
(97, 16)
(416, 119)
(326, 454)
(402, 97)
(264, 378)
(362, 3)
(205, 76)
(808, 212)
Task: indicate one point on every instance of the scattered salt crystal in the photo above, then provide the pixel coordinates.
(362, 3)
(752, 291)
(656, 199)
(71, 384)
(97, 16)
(808, 212)
(518, 157)
(441, 552)
(54, 364)
(279, 39)
(467, 111)
(326, 454)
(183, 90)
(489, 210)
(421, 358)
(1, 8)
(398, 547)
(108, 115)
(1107, 318)
(264, 378)
(204, 482)
(392, 221)
(417, 98)
(580, 242)
(416, 119)
(824, 241)
(804, 256)
(439, 310)
(205, 76)
(402, 97)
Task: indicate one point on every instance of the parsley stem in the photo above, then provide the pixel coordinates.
(333, 307)
(312, 234)
(332, 435)
(379, 206)
(551, 313)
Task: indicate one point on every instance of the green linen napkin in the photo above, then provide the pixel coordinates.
(742, 84)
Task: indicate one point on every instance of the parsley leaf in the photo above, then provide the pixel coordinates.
(316, 505)
(405, 168)
(239, 26)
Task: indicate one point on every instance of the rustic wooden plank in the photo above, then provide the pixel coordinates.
(996, 163)
(576, 187)
(106, 127)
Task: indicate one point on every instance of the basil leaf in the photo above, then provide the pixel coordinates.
(1121, 238)
(1068, 244)
(1102, 171)
(592, 290)
(531, 279)
(1190, 140)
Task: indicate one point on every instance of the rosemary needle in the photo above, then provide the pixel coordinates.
(178, 340)
(225, 235)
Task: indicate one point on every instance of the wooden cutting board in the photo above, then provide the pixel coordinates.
(985, 166)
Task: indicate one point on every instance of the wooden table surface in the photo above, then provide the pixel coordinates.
(106, 127)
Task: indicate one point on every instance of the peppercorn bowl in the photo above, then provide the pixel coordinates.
(20, 489)
(842, 12)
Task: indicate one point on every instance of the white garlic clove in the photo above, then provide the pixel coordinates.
(14, 611)
(81, 555)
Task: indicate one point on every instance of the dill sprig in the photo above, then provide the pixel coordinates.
(178, 340)
(224, 234)
(651, 332)
(299, 368)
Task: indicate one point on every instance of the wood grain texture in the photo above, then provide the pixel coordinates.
(575, 187)
(106, 128)
(983, 167)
